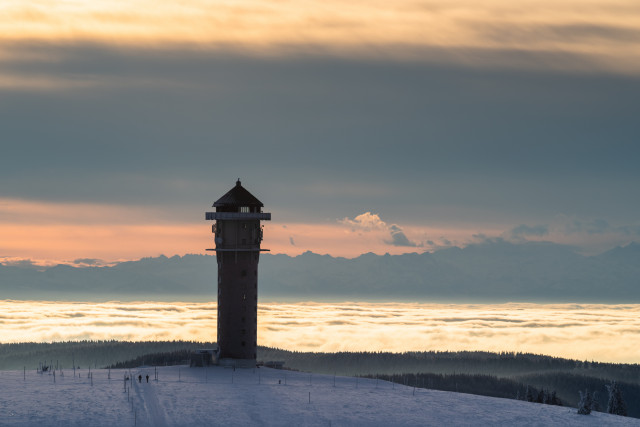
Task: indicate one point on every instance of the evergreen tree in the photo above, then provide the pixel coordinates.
(616, 404)
(528, 395)
(586, 402)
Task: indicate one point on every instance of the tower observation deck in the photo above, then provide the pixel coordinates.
(238, 234)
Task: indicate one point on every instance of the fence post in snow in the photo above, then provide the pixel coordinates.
(309, 397)
(178, 374)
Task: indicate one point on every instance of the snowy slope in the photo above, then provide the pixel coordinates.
(185, 396)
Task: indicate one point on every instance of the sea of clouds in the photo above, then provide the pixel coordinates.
(608, 333)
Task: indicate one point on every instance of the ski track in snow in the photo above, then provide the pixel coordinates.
(150, 412)
(217, 396)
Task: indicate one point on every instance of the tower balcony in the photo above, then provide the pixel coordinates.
(237, 250)
(237, 216)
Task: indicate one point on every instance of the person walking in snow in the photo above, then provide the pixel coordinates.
(140, 379)
(147, 378)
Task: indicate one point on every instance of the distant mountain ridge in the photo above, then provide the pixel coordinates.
(494, 271)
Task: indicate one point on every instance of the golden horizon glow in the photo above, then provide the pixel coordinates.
(50, 233)
(605, 32)
(114, 242)
(606, 333)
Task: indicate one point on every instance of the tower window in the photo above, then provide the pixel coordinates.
(244, 209)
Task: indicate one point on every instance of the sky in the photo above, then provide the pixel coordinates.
(362, 126)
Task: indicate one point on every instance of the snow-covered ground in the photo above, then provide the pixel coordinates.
(184, 396)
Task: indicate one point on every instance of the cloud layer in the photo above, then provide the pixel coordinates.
(368, 222)
(569, 330)
(462, 31)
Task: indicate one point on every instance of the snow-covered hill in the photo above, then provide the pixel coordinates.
(185, 396)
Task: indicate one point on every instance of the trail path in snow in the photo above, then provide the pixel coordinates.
(150, 411)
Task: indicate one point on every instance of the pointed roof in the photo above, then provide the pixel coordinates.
(238, 196)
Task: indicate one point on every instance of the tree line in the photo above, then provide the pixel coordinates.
(97, 354)
(484, 385)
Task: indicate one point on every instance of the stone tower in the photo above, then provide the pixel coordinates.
(238, 234)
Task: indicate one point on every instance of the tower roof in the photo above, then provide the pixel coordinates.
(238, 196)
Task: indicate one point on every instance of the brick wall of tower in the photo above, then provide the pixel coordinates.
(238, 287)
